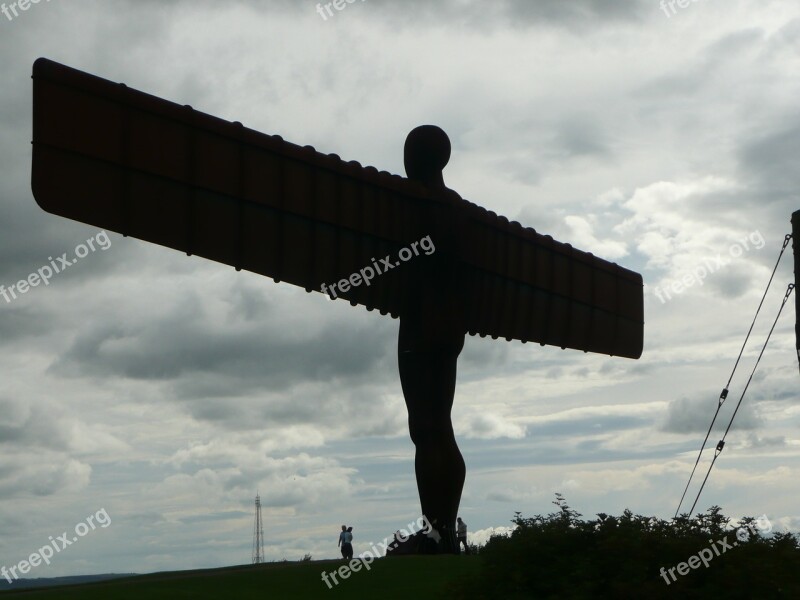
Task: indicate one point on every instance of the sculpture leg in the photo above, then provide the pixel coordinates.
(428, 378)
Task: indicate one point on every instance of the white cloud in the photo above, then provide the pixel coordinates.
(487, 426)
(583, 234)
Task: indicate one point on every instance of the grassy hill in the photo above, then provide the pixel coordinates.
(554, 556)
(418, 577)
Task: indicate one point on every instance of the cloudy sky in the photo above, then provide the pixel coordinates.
(167, 390)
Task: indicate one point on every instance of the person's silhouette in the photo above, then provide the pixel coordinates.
(343, 541)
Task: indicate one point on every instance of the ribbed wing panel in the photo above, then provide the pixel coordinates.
(126, 161)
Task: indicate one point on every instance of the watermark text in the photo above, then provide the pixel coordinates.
(698, 274)
(57, 265)
(46, 552)
(365, 558)
(368, 273)
(23, 5)
(717, 548)
(669, 6)
(326, 10)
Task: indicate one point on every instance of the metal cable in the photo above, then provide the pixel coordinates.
(721, 443)
(724, 394)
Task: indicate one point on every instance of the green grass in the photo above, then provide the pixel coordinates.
(418, 577)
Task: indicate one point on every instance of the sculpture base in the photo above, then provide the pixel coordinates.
(421, 543)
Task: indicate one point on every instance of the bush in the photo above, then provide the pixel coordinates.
(562, 556)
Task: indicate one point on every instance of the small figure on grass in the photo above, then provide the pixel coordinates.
(342, 541)
(461, 535)
(347, 546)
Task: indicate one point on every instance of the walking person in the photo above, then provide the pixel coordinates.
(342, 542)
(348, 543)
(461, 535)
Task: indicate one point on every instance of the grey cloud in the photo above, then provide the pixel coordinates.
(756, 441)
(482, 355)
(733, 282)
(730, 46)
(500, 497)
(31, 426)
(692, 79)
(693, 416)
(43, 473)
(554, 373)
(577, 15)
(580, 137)
(771, 160)
(336, 407)
(187, 345)
(18, 322)
(217, 516)
(587, 426)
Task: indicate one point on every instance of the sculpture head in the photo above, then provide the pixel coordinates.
(426, 153)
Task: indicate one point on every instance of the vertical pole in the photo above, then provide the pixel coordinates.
(796, 248)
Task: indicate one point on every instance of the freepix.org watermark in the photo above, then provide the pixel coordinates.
(365, 558)
(697, 275)
(46, 552)
(718, 548)
(23, 5)
(326, 10)
(368, 273)
(57, 265)
(668, 6)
